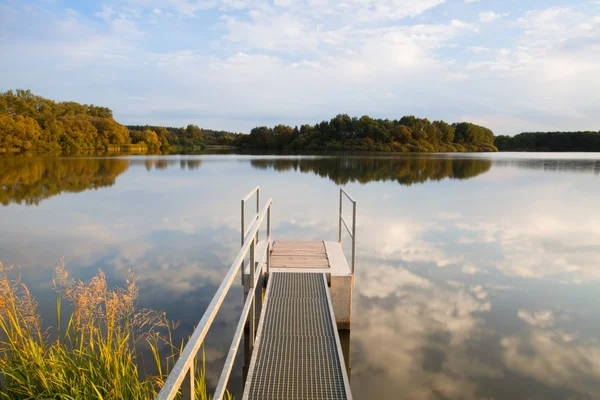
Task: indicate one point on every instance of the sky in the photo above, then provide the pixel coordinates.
(510, 65)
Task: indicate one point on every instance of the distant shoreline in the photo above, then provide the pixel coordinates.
(33, 124)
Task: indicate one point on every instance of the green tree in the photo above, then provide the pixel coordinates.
(151, 140)
(283, 135)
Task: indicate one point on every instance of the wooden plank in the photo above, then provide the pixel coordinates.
(324, 264)
(297, 242)
(299, 258)
(297, 254)
(320, 246)
(294, 269)
(287, 261)
(300, 264)
(304, 248)
(301, 251)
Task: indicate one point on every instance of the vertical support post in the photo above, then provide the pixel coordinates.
(243, 223)
(268, 239)
(243, 230)
(187, 388)
(251, 292)
(340, 220)
(257, 209)
(353, 236)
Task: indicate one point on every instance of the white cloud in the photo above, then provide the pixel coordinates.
(470, 269)
(397, 280)
(489, 16)
(542, 246)
(552, 358)
(540, 242)
(403, 240)
(326, 55)
(541, 319)
(479, 49)
(405, 331)
(361, 10)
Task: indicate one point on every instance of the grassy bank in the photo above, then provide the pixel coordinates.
(94, 353)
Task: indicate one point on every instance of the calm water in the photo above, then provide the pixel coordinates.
(477, 276)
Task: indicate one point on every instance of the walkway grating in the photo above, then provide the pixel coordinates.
(297, 354)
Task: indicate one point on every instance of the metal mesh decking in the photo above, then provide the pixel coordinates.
(297, 354)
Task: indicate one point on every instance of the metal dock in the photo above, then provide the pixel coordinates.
(295, 352)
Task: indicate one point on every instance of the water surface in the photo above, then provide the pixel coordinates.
(477, 275)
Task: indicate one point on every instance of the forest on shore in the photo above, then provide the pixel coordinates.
(33, 123)
(550, 141)
(408, 134)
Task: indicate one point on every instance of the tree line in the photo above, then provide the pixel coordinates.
(33, 123)
(30, 122)
(408, 134)
(550, 141)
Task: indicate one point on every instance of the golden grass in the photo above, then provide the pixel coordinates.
(96, 355)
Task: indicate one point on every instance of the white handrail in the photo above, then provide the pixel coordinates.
(184, 367)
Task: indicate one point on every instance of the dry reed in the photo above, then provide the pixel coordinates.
(96, 355)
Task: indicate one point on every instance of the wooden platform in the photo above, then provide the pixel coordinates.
(313, 257)
(296, 256)
(287, 254)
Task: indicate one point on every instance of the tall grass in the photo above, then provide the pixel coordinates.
(95, 355)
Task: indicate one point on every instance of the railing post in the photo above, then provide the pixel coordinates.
(257, 209)
(268, 239)
(243, 230)
(353, 236)
(187, 388)
(252, 322)
(340, 220)
(243, 219)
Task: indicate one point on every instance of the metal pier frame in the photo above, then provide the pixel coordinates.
(182, 376)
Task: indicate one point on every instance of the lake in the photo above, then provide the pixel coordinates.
(477, 275)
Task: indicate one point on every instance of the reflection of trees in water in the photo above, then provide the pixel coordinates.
(190, 164)
(404, 170)
(30, 180)
(158, 163)
(560, 165)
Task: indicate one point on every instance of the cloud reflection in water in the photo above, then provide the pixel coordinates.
(476, 276)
